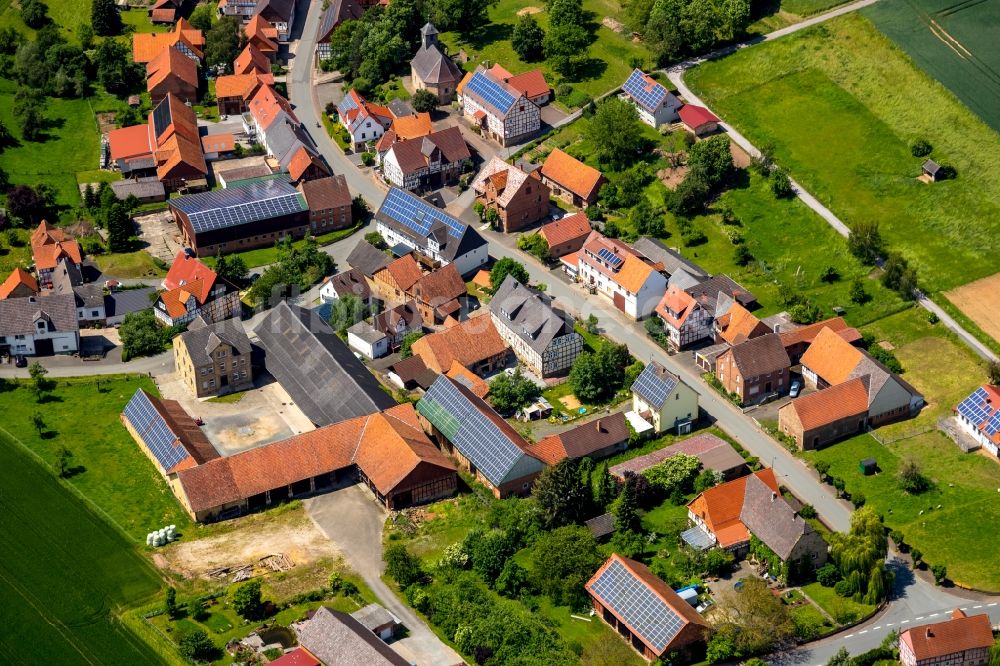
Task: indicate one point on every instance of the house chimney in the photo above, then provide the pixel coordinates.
(928, 633)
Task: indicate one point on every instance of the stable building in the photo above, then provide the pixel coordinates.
(570, 179)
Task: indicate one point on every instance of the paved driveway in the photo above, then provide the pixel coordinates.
(353, 520)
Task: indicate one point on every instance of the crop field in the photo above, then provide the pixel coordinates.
(952, 40)
(63, 574)
(980, 302)
(841, 105)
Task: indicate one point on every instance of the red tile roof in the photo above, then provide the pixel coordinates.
(262, 34)
(18, 278)
(129, 142)
(531, 84)
(438, 287)
(676, 306)
(821, 408)
(412, 127)
(297, 657)
(267, 104)
(960, 633)
(237, 85)
(696, 116)
(470, 342)
(147, 45)
(831, 357)
(720, 507)
(171, 62)
(472, 381)
(186, 270)
(251, 59)
(568, 228)
(809, 333)
(218, 143)
(739, 324)
(405, 271)
(572, 174)
(49, 245)
(583, 440)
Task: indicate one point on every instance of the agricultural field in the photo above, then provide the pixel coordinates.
(943, 522)
(980, 301)
(843, 84)
(107, 467)
(953, 41)
(64, 573)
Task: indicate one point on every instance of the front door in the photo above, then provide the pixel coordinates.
(224, 380)
(619, 300)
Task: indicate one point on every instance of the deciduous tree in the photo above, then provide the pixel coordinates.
(510, 392)
(507, 266)
(401, 565)
(759, 621)
(104, 18)
(246, 599)
(563, 560)
(424, 101)
(223, 42)
(528, 40)
(614, 132)
(865, 241)
(561, 494)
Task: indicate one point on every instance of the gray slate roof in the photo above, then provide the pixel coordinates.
(366, 332)
(202, 339)
(718, 289)
(145, 188)
(771, 519)
(672, 260)
(18, 315)
(760, 356)
(374, 616)
(120, 303)
(368, 259)
(521, 310)
(67, 279)
(321, 374)
(337, 638)
(433, 66)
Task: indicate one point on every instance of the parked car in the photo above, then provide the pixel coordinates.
(795, 388)
(188, 252)
(20, 361)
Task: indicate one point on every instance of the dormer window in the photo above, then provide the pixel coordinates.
(40, 324)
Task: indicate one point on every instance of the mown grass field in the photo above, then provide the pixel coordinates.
(944, 371)
(107, 466)
(841, 105)
(64, 573)
(955, 42)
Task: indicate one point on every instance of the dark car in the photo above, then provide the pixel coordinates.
(188, 252)
(20, 361)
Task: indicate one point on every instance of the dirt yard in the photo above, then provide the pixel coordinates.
(612, 24)
(246, 540)
(980, 302)
(529, 10)
(672, 177)
(740, 157)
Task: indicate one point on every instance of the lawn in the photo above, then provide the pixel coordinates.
(964, 485)
(138, 264)
(843, 610)
(18, 254)
(65, 573)
(229, 397)
(107, 467)
(611, 53)
(265, 256)
(843, 84)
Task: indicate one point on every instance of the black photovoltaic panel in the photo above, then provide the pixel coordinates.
(973, 407)
(234, 206)
(607, 255)
(992, 425)
(648, 96)
(652, 387)
(161, 117)
(418, 215)
(469, 430)
(648, 615)
(490, 91)
(154, 431)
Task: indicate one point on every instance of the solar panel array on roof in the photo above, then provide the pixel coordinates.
(653, 386)
(418, 215)
(651, 618)
(161, 117)
(607, 255)
(243, 204)
(469, 430)
(154, 431)
(490, 91)
(648, 96)
(975, 407)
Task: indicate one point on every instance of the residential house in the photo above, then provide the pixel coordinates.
(501, 112)
(698, 120)
(661, 398)
(233, 92)
(214, 359)
(185, 37)
(350, 282)
(531, 84)
(797, 340)
(192, 289)
(519, 199)
(738, 325)
(329, 202)
(426, 163)
(819, 418)
(89, 297)
(241, 9)
(610, 267)
(366, 339)
(718, 293)
(366, 122)
(754, 369)
(387, 451)
(570, 179)
(395, 323)
(713, 453)
(368, 259)
(542, 338)
(675, 267)
(979, 417)
(394, 281)
(656, 105)
(406, 126)
(39, 326)
(475, 344)
(337, 638)
(685, 321)
(485, 444)
(263, 36)
(252, 60)
(172, 71)
(404, 218)
(431, 69)
(600, 438)
(752, 505)
(279, 13)
(438, 294)
(336, 12)
(831, 360)
(19, 284)
(962, 640)
(243, 216)
(49, 246)
(566, 235)
(643, 609)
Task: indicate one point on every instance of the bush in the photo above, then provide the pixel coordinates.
(781, 185)
(828, 575)
(807, 511)
(940, 572)
(917, 556)
(424, 101)
(842, 588)
(401, 566)
(897, 538)
(911, 479)
(742, 255)
(594, 213)
(932, 318)
(920, 148)
(858, 500)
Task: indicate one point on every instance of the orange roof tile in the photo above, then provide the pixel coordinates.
(218, 143)
(262, 34)
(50, 244)
(572, 174)
(472, 381)
(185, 270)
(530, 84)
(633, 274)
(179, 151)
(251, 59)
(236, 85)
(300, 162)
(831, 357)
(809, 333)
(676, 306)
(739, 324)
(267, 104)
(934, 641)
(405, 271)
(175, 300)
(832, 404)
(497, 71)
(468, 343)
(129, 142)
(461, 84)
(18, 278)
(147, 45)
(171, 62)
(720, 507)
(163, 15)
(412, 127)
(566, 229)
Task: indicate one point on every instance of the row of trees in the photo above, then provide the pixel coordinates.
(867, 244)
(674, 29)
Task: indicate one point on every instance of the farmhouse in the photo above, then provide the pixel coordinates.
(329, 203)
(431, 69)
(738, 325)
(643, 609)
(661, 398)
(426, 163)
(979, 416)
(169, 437)
(279, 13)
(610, 267)
(172, 71)
(89, 297)
(49, 246)
(819, 418)
(262, 36)
(656, 105)
(713, 453)
(567, 235)
(474, 344)
(754, 369)
(519, 199)
(214, 359)
(243, 216)
(437, 294)
(393, 281)
(570, 179)
(962, 640)
(541, 338)
(350, 282)
(600, 438)
(501, 112)
(233, 92)
(797, 340)
(408, 220)
(698, 120)
(486, 445)
(321, 374)
(39, 326)
(192, 289)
